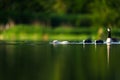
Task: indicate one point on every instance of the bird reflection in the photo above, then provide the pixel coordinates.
(108, 53)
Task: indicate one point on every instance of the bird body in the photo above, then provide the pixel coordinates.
(99, 41)
(87, 41)
(60, 42)
(108, 40)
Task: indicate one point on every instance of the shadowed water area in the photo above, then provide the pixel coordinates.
(44, 61)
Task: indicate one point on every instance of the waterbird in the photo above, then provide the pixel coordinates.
(109, 38)
(64, 42)
(60, 42)
(99, 41)
(55, 41)
(87, 41)
(115, 40)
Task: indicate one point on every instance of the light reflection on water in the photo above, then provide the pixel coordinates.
(44, 61)
(108, 54)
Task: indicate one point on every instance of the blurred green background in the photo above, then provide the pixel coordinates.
(58, 19)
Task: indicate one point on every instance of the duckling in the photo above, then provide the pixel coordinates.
(99, 41)
(87, 41)
(55, 42)
(64, 42)
(60, 42)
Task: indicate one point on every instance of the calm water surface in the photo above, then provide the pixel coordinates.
(44, 61)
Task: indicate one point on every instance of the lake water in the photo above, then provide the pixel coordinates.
(44, 61)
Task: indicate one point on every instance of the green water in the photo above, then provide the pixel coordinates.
(45, 61)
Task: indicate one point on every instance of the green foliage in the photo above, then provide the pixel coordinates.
(57, 12)
(102, 12)
(29, 32)
(75, 31)
(23, 32)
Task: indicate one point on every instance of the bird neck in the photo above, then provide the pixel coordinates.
(109, 34)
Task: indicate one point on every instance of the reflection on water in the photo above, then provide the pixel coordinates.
(108, 53)
(59, 62)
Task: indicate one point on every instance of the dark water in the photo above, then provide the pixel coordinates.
(45, 61)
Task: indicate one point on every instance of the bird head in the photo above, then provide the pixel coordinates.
(108, 29)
